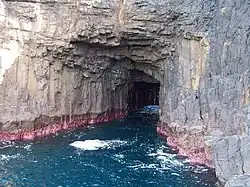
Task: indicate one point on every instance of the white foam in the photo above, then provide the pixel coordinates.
(119, 156)
(27, 147)
(92, 145)
(176, 174)
(4, 157)
(166, 158)
(144, 166)
(6, 144)
(89, 144)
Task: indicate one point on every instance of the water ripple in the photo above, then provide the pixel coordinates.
(121, 153)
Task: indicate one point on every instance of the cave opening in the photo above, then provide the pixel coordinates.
(143, 90)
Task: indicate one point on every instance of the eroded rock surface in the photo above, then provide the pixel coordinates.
(239, 181)
(65, 61)
(231, 156)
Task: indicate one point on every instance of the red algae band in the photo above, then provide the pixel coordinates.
(200, 158)
(59, 126)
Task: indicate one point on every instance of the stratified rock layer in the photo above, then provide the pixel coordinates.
(61, 59)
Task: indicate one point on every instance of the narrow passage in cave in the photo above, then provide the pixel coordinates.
(143, 91)
(143, 94)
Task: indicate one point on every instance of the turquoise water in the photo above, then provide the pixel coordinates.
(125, 152)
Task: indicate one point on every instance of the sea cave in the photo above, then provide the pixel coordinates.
(124, 93)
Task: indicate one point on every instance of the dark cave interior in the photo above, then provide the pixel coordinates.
(143, 90)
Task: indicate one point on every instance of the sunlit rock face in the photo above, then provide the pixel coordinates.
(240, 180)
(63, 61)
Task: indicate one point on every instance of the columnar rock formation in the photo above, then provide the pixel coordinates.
(68, 61)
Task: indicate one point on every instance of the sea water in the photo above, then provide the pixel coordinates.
(126, 152)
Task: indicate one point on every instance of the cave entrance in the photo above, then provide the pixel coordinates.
(143, 90)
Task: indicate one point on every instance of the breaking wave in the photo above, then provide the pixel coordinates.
(166, 158)
(92, 145)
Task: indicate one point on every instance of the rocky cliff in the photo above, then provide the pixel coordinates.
(65, 63)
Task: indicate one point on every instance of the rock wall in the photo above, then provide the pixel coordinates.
(207, 100)
(240, 180)
(74, 59)
(61, 61)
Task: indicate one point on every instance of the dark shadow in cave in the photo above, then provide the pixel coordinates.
(143, 90)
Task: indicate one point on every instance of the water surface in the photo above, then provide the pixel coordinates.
(125, 152)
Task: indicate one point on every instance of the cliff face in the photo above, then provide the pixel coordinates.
(72, 60)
